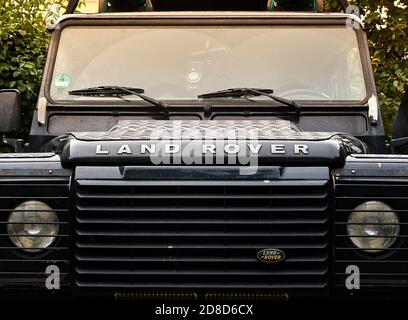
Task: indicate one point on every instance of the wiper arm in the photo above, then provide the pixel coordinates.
(117, 91)
(254, 92)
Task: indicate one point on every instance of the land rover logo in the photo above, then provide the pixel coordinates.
(271, 255)
(206, 149)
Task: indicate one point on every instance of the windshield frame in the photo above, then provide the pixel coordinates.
(315, 20)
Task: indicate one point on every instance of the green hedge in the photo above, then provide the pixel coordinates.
(24, 41)
(23, 48)
(23, 44)
(387, 30)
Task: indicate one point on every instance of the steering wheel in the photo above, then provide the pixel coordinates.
(302, 92)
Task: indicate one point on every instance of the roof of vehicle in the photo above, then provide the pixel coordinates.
(212, 15)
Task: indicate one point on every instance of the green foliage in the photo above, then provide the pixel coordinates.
(23, 46)
(386, 24)
(23, 43)
(389, 49)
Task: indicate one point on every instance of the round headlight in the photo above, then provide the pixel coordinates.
(33, 226)
(373, 226)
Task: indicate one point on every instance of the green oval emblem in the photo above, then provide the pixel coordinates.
(271, 255)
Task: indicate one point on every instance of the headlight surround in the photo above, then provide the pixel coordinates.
(373, 226)
(33, 226)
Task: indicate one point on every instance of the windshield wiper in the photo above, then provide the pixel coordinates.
(117, 91)
(250, 92)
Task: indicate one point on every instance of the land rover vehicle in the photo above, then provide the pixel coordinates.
(104, 190)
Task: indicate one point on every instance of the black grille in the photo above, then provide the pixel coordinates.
(386, 268)
(201, 234)
(20, 268)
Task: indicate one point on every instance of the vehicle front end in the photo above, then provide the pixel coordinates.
(146, 178)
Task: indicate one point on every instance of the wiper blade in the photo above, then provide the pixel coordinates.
(117, 91)
(250, 92)
(106, 91)
(236, 92)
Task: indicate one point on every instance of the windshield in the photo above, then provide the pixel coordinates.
(180, 63)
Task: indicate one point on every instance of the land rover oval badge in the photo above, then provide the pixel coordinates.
(271, 255)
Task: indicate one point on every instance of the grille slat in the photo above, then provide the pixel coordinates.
(201, 234)
(200, 221)
(228, 273)
(200, 283)
(293, 209)
(194, 183)
(203, 259)
(191, 246)
(207, 196)
(198, 234)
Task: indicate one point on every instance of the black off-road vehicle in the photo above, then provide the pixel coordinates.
(204, 155)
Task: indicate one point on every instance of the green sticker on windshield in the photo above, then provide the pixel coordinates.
(62, 81)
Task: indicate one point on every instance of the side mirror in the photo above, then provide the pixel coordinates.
(10, 111)
(400, 128)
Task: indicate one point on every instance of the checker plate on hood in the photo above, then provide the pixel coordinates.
(203, 129)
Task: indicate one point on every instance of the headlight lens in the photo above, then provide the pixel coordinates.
(33, 225)
(373, 226)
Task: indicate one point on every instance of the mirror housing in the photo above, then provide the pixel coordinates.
(10, 111)
(399, 141)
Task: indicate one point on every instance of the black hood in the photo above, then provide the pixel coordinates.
(273, 142)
